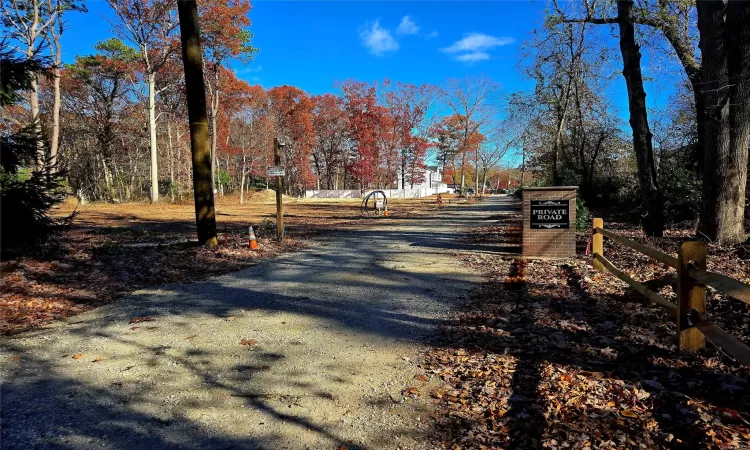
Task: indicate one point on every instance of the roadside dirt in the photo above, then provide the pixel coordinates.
(315, 349)
(100, 258)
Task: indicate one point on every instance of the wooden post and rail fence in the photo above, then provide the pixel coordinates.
(692, 279)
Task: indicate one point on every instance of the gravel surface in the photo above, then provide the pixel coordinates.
(330, 339)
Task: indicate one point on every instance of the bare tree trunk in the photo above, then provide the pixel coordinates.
(242, 179)
(403, 169)
(463, 174)
(726, 66)
(152, 136)
(36, 119)
(642, 138)
(214, 131)
(57, 51)
(192, 58)
(171, 160)
(476, 171)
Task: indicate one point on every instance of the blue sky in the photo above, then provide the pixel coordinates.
(314, 44)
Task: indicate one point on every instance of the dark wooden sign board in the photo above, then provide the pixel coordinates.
(550, 214)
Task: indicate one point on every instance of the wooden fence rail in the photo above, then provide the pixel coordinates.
(692, 279)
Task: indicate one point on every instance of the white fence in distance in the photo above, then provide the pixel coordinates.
(389, 193)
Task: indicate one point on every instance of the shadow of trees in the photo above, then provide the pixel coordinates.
(590, 370)
(359, 285)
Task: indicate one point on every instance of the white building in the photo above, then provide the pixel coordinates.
(432, 184)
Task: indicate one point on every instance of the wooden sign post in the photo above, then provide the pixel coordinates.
(279, 184)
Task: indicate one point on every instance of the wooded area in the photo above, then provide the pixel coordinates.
(114, 123)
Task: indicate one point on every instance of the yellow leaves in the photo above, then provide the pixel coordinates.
(629, 413)
(98, 359)
(78, 356)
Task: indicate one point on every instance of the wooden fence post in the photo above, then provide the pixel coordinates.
(597, 242)
(691, 296)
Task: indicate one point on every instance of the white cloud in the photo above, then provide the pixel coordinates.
(434, 34)
(407, 26)
(477, 42)
(472, 57)
(245, 70)
(378, 39)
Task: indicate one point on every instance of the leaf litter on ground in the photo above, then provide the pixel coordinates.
(552, 354)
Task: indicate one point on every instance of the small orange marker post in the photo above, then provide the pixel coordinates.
(385, 212)
(253, 242)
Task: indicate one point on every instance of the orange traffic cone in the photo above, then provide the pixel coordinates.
(253, 242)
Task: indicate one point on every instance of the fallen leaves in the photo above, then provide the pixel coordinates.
(98, 359)
(78, 356)
(187, 338)
(412, 392)
(248, 342)
(551, 354)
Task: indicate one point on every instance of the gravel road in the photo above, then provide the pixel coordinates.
(331, 334)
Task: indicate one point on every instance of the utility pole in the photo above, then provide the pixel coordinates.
(192, 59)
(277, 146)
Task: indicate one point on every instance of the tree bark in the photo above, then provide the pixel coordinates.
(192, 58)
(214, 132)
(725, 46)
(738, 24)
(54, 145)
(152, 136)
(653, 224)
(242, 177)
(171, 160)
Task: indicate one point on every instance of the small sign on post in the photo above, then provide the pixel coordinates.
(276, 171)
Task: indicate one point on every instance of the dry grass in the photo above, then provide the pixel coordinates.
(95, 261)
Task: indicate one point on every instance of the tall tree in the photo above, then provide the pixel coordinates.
(150, 26)
(474, 100)
(98, 94)
(30, 22)
(192, 57)
(291, 110)
(365, 124)
(225, 35)
(642, 138)
(723, 38)
(651, 198)
(53, 35)
(330, 127)
(408, 107)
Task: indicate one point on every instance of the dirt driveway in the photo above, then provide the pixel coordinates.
(310, 350)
